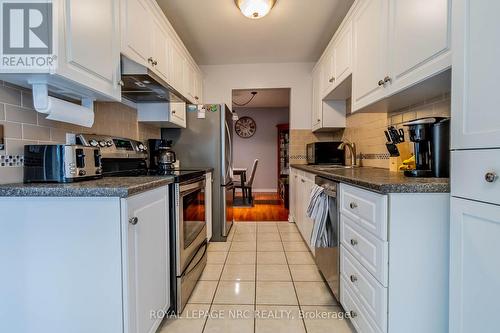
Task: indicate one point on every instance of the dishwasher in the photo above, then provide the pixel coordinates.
(328, 258)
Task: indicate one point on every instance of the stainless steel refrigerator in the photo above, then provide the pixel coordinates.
(207, 142)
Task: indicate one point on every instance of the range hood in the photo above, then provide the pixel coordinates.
(141, 85)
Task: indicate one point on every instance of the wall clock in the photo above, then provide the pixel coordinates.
(245, 127)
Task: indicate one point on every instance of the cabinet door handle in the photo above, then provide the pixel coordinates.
(150, 60)
(133, 220)
(354, 242)
(353, 314)
(173, 111)
(380, 83)
(353, 278)
(302, 180)
(387, 79)
(155, 63)
(490, 177)
(331, 79)
(121, 83)
(353, 205)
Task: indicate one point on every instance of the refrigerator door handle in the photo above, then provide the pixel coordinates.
(229, 172)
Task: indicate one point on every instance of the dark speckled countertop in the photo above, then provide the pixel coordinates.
(121, 187)
(380, 180)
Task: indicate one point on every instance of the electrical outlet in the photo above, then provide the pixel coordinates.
(2, 140)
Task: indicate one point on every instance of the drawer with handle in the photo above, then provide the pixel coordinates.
(369, 291)
(366, 208)
(476, 175)
(370, 251)
(357, 313)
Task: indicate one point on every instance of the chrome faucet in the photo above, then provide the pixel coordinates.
(352, 148)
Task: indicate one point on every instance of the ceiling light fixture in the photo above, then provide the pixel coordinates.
(255, 9)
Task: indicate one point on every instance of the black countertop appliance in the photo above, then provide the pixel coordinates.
(431, 139)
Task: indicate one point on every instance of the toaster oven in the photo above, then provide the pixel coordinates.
(61, 163)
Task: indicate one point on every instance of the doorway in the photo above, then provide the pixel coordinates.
(261, 153)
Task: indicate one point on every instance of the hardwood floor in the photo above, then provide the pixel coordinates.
(266, 208)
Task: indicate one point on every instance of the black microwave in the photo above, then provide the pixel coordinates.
(325, 153)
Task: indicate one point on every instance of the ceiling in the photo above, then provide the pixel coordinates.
(215, 32)
(265, 98)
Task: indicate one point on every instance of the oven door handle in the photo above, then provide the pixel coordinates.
(205, 245)
(188, 188)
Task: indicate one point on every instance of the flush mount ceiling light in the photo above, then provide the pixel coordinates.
(255, 9)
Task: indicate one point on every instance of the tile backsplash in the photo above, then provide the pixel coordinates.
(367, 131)
(23, 125)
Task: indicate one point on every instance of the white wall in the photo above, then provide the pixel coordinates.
(219, 80)
(262, 145)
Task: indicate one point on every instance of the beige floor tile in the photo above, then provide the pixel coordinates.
(243, 247)
(190, 321)
(268, 237)
(295, 246)
(245, 237)
(219, 246)
(269, 247)
(216, 257)
(203, 292)
(243, 228)
(241, 258)
(291, 237)
(267, 229)
(263, 223)
(300, 258)
(271, 258)
(230, 236)
(273, 273)
(238, 273)
(326, 319)
(235, 292)
(314, 293)
(287, 227)
(230, 319)
(278, 319)
(305, 273)
(212, 272)
(275, 293)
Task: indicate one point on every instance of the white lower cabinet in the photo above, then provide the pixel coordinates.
(84, 264)
(475, 268)
(390, 281)
(302, 185)
(146, 258)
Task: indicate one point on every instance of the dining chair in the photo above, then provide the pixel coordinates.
(246, 188)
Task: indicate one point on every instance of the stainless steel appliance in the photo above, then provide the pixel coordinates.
(328, 258)
(120, 156)
(325, 153)
(61, 163)
(208, 142)
(189, 235)
(431, 139)
(142, 85)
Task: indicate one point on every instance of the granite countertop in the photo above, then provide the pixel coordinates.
(380, 180)
(121, 187)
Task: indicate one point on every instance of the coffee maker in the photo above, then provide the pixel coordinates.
(431, 139)
(162, 158)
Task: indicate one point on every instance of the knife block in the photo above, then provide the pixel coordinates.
(404, 153)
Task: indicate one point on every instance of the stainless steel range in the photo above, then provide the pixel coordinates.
(188, 229)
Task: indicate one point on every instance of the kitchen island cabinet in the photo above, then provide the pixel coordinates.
(85, 264)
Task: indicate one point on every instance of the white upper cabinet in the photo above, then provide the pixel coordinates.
(160, 54)
(136, 28)
(328, 72)
(149, 39)
(370, 52)
(419, 40)
(475, 95)
(91, 54)
(342, 54)
(317, 102)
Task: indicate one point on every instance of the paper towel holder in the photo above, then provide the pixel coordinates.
(41, 98)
